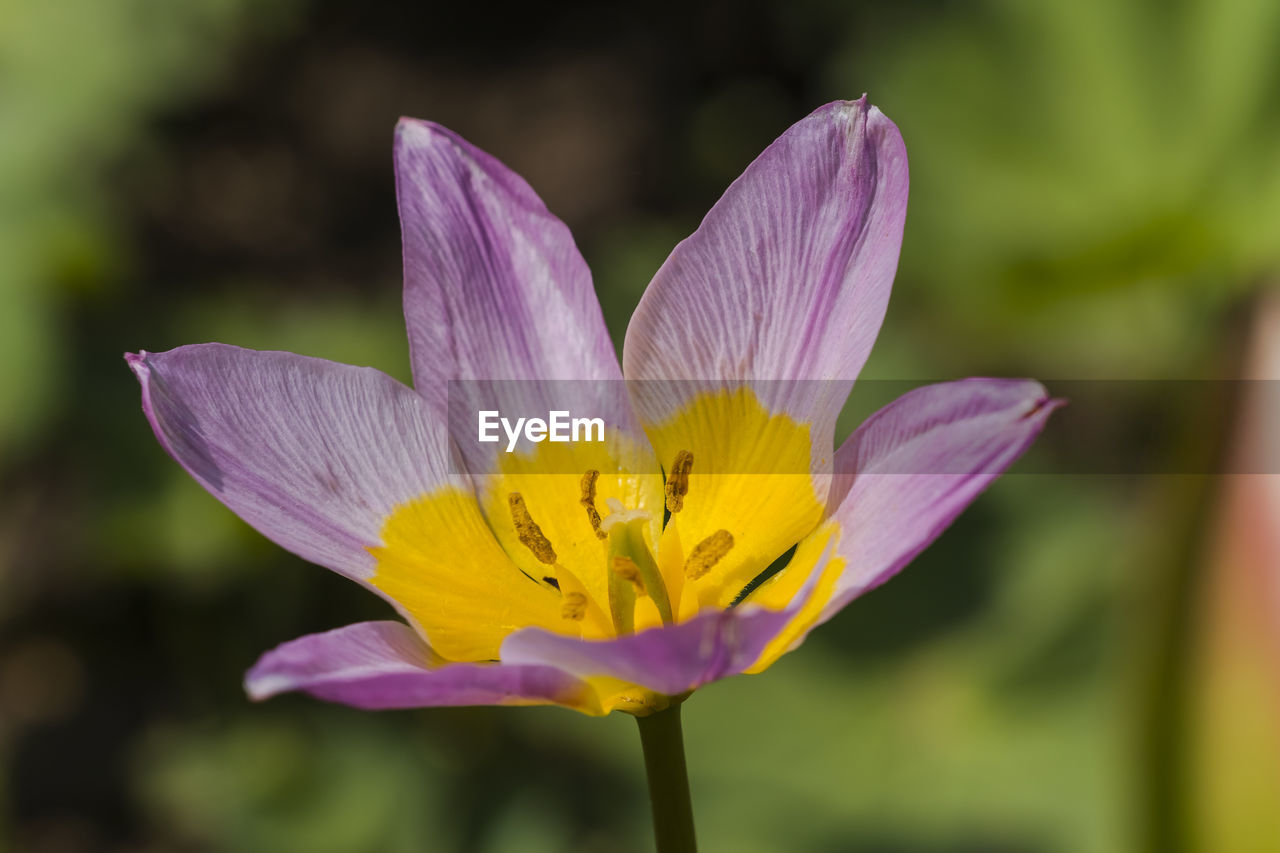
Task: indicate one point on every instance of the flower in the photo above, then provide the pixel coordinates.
(578, 574)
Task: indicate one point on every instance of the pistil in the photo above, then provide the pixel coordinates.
(632, 567)
(626, 568)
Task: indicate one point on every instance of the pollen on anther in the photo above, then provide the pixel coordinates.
(678, 481)
(588, 501)
(528, 531)
(574, 606)
(707, 553)
(626, 568)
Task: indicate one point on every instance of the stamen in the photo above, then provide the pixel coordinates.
(707, 553)
(626, 568)
(678, 481)
(588, 501)
(574, 606)
(528, 531)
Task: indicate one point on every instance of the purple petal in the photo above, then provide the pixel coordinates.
(907, 472)
(788, 275)
(379, 665)
(494, 286)
(671, 659)
(311, 453)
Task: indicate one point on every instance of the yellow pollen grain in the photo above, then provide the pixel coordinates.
(588, 501)
(707, 553)
(528, 531)
(574, 606)
(626, 568)
(678, 481)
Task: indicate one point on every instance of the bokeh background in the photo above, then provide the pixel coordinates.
(1089, 660)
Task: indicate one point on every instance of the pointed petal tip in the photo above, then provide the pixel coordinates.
(420, 133)
(1039, 401)
(856, 107)
(1030, 395)
(1045, 406)
(406, 124)
(845, 108)
(137, 362)
(260, 689)
(853, 108)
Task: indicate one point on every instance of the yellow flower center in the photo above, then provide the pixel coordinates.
(593, 541)
(630, 568)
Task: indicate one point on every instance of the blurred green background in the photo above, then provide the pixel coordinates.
(1077, 665)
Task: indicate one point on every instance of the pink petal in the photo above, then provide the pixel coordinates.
(907, 472)
(311, 453)
(787, 277)
(494, 287)
(379, 665)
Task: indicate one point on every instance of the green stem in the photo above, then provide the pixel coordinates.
(663, 745)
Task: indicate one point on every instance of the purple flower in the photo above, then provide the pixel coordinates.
(581, 574)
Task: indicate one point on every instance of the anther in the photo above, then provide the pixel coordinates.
(588, 501)
(678, 481)
(626, 568)
(707, 553)
(574, 606)
(528, 531)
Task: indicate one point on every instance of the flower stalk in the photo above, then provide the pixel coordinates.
(663, 744)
